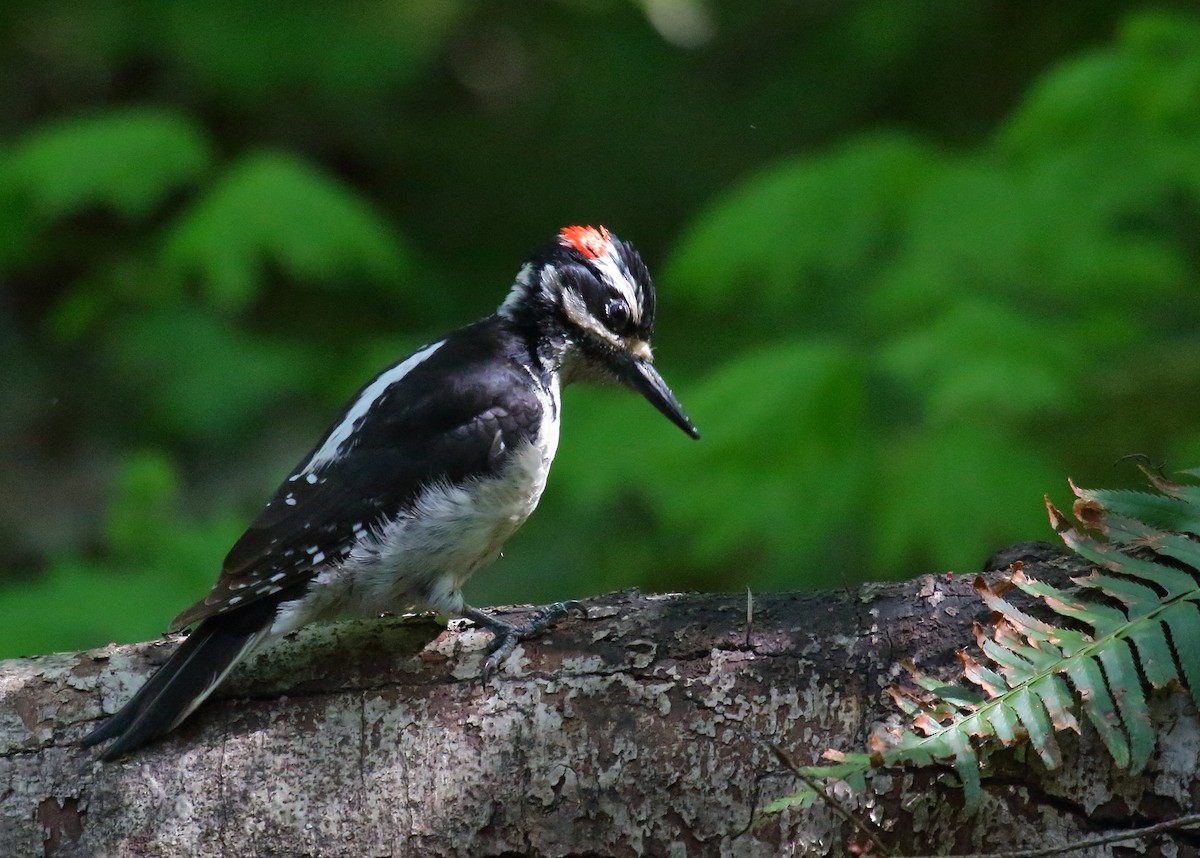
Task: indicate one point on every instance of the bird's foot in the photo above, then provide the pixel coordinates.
(508, 635)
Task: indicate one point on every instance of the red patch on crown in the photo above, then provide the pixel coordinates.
(589, 240)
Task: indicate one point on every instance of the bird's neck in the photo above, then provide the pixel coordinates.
(546, 348)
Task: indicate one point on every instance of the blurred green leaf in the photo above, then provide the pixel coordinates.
(772, 480)
(192, 377)
(950, 495)
(160, 560)
(250, 52)
(271, 209)
(781, 464)
(1147, 84)
(983, 359)
(144, 505)
(966, 231)
(800, 223)
(128, 159)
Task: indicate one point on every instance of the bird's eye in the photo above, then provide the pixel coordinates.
(616, 314)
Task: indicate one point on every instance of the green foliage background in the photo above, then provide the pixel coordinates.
(917, 262)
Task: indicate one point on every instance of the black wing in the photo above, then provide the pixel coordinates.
(442, 422)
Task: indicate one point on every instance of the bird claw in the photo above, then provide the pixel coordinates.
(499, 650)
(506, 636)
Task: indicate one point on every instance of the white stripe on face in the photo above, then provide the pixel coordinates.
(338, 436)
(609, 266)
(577, 311)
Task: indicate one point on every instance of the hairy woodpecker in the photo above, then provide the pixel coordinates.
(430, 468)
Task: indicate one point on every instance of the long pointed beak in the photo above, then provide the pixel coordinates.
(640, 375)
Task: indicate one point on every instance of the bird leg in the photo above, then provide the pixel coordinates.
(508, 635)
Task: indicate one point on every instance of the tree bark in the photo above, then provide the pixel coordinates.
(642, 730)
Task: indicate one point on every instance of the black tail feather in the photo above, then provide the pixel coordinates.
(188, 677)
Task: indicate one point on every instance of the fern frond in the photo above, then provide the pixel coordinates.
(1135, 619)
(1163, 511)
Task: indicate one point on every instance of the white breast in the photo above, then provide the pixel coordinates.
(422, 558)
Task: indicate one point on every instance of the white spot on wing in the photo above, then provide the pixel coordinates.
(341, 433)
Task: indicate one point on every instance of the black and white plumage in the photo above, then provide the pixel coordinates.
(427, 471)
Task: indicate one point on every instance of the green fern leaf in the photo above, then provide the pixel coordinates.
(966, 764)
(1098, 706)
(1190, 494)
(1046, 655)
(843, 762)
(1157, 510)
(1003, 719)
(1179, 548)
(1183, 621)
(1131, 532)
(1104, 618)
(1030, 709)
(958, 695)
(1174, 581)
(1026, 622)
(977, 725)
(1122, 676)
(991, 682)
(921, 750)
(1104, 654)
(1154, 654)
(1071, 642)
(1040, 651)
(1052, 690)
(1015, 667)
(801, 799)
(1139, 598)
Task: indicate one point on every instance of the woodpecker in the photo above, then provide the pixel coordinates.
(427, 471)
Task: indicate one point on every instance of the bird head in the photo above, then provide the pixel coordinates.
(590, 294)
